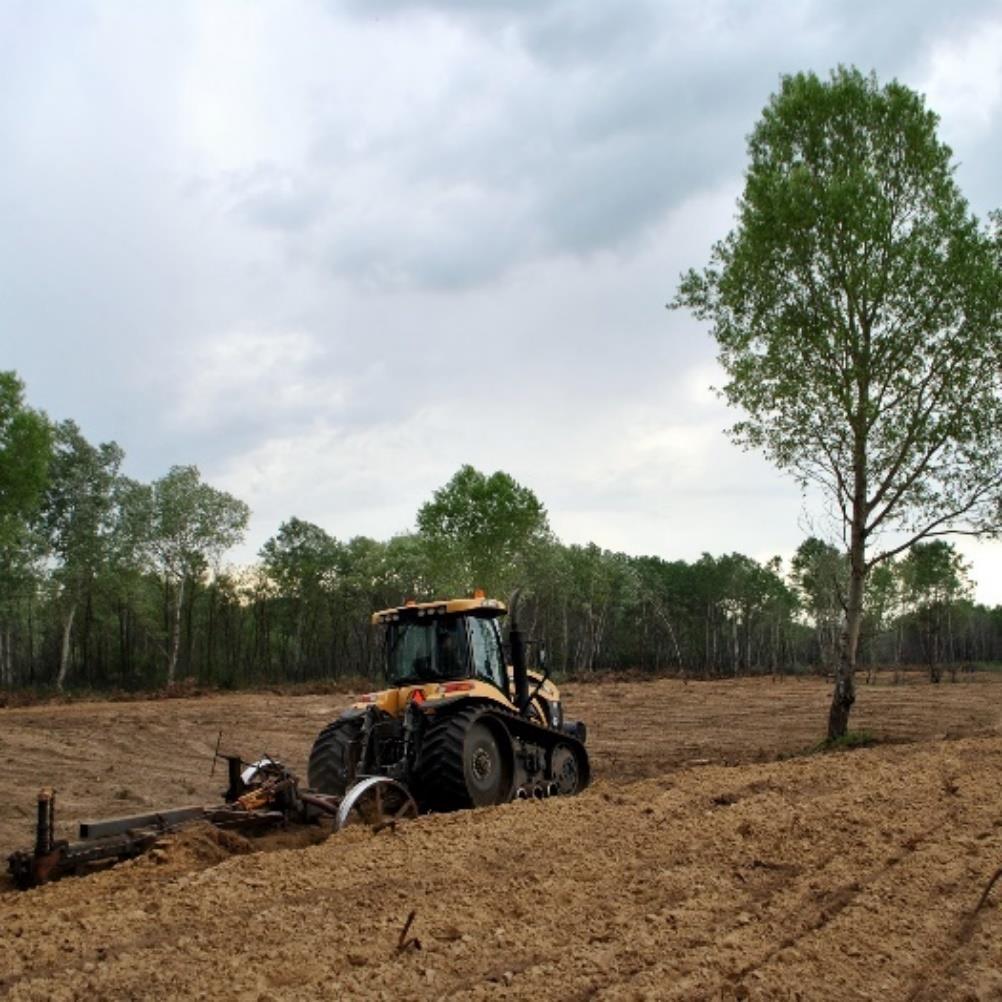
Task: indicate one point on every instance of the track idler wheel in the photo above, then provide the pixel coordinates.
(566, 771)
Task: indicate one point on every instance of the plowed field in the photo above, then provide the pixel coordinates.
(696, 866)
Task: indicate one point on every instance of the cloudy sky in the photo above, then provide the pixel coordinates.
(330, 251)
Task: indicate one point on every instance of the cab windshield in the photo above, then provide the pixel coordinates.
(426, 650)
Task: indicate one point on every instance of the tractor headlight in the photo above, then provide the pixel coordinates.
(556, 715)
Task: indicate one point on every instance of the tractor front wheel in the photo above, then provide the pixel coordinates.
(334, 757)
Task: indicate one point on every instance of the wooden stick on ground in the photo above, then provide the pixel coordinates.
(987, 890)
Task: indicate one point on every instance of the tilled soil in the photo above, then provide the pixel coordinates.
(849, 875)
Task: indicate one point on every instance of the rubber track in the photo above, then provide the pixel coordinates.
(439, 774)
(327, 771)
(441, 779)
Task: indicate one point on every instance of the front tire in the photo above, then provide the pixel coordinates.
(334, 756)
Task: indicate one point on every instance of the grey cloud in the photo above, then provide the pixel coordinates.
(620, 114)
(479, 10)
(462, 255)
(571, 34)
(281, 199)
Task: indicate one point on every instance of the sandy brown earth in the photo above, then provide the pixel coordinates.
(852, 875)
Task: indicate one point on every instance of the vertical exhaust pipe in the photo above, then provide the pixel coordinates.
(517, 644)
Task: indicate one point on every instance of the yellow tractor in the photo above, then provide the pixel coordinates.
(457, 727)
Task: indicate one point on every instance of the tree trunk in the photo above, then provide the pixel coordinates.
(175, 644)
(845, 681)
(735, 647)
(8, 657)
(706, 643)
(31, 643)
(932, 645)
(189, 620)
(566, 638)
(64, 657)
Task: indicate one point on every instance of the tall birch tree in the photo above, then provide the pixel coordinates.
(191, 525)
(482, 528)
(857, 306)
(79, 519)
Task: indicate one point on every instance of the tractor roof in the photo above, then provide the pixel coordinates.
(440, 607)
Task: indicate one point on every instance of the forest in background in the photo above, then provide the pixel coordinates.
(108, 583)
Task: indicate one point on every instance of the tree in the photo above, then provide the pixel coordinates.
(79, 519)
(857, 306)
(882, 602)
(935, 580)
(483, 527)
(820, 574)
(25, 447)
(302, 560)
(191, 525)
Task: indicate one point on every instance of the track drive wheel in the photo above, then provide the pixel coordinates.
(333, 757)
(465, 761)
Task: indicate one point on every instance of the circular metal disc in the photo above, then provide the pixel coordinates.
(376, 801)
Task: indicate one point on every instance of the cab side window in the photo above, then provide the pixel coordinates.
(451, 661)
(486, 649)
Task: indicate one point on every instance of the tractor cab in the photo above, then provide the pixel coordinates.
(444, 641)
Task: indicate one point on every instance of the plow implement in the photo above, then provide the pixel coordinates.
(261, 796)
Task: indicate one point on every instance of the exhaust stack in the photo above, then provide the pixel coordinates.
(517, 646)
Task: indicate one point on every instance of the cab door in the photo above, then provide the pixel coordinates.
(485, 650)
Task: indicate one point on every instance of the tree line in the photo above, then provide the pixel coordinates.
(111, 583)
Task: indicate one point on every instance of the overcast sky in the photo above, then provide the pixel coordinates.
(330, 251)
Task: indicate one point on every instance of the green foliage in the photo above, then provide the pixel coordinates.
(821, 574)
(80, 503)
(936, 590)
(301, 559)
(482, 528)
(191, 523)
(857, 307)
(934, 573)
(25, 447)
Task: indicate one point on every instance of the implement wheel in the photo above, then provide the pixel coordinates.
(334, 756)
(376, 801)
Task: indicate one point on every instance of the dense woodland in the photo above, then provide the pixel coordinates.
(109, 583)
